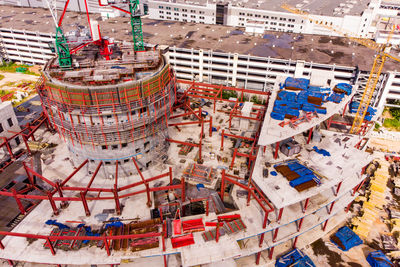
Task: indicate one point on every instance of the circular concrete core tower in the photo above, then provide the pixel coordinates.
(111, 110)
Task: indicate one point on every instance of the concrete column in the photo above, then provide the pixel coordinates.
(201, 63)
(234, 68)
(298, 73)
(385, 91)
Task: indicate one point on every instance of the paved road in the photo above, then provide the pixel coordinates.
(32, 114)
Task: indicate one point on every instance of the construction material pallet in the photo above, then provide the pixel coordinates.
(67, 244)
(296, 121)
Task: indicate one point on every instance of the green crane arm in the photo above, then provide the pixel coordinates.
(64, 56)
(136, 23)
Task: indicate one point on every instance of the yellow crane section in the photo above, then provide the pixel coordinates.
(377, 67)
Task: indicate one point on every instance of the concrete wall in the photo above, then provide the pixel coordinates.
(182, 12)
(8, 122)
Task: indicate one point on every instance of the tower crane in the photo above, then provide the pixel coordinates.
(61, 45)
(377, 67)
(136, 21)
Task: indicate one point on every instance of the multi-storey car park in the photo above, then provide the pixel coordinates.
(365, 18)
(217, 54)
(194, 171)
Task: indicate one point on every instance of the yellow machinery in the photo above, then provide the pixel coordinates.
(380, 58)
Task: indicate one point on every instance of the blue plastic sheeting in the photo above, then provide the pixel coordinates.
(273, 173)
(89, 232)
(301, 180)
(347, 237)
(114, 222)
(55, 223)
(277, 116)
(378, 259)
(322, 151)
(295, 258)
(345, 87)
(198, 186)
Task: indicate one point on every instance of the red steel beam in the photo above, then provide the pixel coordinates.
(74, 172)
(145, 183)
(93, 176)
(181, 142)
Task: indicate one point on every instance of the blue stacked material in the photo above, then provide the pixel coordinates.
(296, 83)
(294, 258)
(301, 180)
(295, 166)
(308, 108)
(320, 110)
(353, 107)
(336, 98)
(378, 259)
(345, 238)
(293, 112)
(345, 87)
(318, 89)
(322, 151)
(317, 94)
(303, 171)
(283, 104)
(55, 223)
(277, 116)
(289, 96)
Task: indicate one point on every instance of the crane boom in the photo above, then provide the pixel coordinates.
(375, 72)
(136, 23)
(64, 55)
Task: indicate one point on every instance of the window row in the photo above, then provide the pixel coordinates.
(183, 9)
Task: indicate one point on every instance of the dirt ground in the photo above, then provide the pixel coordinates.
(10, 77)
(324, 253)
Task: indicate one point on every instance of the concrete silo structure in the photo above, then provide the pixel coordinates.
(111, 110)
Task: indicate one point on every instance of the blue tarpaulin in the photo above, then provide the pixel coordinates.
(114, 222)
(55, 223)
(378, 259)
(322, 151)
(295, 258)
(345, 238)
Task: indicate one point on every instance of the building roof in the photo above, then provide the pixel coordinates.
(311, 48)
(315, 7)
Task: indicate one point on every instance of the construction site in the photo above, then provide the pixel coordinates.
(127, 165)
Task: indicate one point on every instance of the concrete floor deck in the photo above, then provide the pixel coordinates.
(201, 252)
